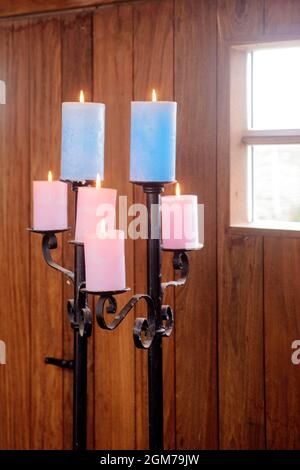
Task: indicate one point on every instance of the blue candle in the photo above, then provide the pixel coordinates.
(153, 141)
(82, 141)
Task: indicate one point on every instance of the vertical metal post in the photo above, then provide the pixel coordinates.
(80, 354)
(155, 357)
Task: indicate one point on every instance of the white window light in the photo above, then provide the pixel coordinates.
(265, 113)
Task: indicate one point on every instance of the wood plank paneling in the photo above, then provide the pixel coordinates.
(153, 68)
(23, 7)
(240, 267)
(46, 284)
(169, 355)
(240, 19)
(281, 293)
(77, 68)
(136, 42)
(196, 371)
(282, 17)
(14, 253)
(114, 351)
(282, 322)
(241, 364)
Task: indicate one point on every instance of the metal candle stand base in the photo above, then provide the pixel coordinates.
(147, 332)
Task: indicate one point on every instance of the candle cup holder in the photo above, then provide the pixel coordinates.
(148, 330)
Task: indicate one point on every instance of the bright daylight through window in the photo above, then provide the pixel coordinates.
(270, 144)
(275, 104)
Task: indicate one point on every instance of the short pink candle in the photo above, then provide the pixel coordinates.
(105, 261)
(180, 222)
(94, 204)
(50, 205)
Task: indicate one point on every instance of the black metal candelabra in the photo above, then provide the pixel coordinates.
(147, 333)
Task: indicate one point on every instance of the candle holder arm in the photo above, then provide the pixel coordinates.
(180, 263)
(49, 243)
(144, 328)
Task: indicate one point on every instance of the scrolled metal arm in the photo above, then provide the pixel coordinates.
(168, 319)
(144, 329)
(85, 322)
(180, 263)
(49, 243)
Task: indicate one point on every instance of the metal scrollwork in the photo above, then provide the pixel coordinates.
(71, 313)
(168, 320)
(50, 243)
(82, 322)
(144, 329)
(85, 322)
(180, 263)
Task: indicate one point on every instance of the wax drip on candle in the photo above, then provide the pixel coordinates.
(50, 179)
(98, 181)
(154, 96)
(81, 96)
(177, 189)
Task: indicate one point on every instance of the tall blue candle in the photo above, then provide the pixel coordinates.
(153, 141)
(82, 141)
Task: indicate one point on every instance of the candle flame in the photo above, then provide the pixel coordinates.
(81, 96)
(50, 179)
(98, 181)
(154, 96)
(177, 189)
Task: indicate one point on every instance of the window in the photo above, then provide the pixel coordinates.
(265, 136)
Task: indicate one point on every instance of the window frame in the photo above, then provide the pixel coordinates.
(242, 139)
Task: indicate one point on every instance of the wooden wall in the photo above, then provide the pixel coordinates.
(258, 271)
(228, 377)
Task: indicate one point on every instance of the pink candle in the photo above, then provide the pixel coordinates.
(180, 222)
(50, 205)
(94, 204)
(105, 261)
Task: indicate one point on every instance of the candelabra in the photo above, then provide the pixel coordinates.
(147, 332)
